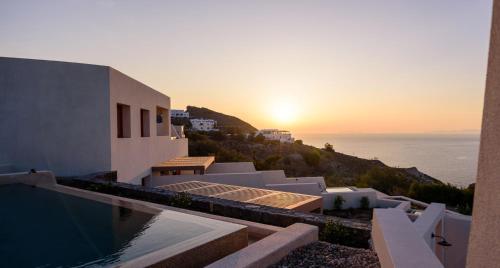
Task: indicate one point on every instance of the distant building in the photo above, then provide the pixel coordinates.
(179, 114)
(277, 135)
(201, 124)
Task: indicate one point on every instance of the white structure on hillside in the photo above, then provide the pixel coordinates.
(277, 135)
(179, 114)
(76, 119)
(201, 124)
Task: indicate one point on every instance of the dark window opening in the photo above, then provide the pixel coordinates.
(123, 120)
(145, 123)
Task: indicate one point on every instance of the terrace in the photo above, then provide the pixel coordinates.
(249, 195)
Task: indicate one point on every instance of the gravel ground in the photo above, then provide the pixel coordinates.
(322, 254)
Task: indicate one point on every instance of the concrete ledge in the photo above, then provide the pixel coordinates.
(270, 249)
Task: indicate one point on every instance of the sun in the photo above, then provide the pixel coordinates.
(284, 112)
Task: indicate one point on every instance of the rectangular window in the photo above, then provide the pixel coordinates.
(144, 123)
(162, 121)
(123, 120)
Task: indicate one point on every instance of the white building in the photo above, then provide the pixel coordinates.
(76, 119)
(277, 135)
(179, 114)
(201, 124)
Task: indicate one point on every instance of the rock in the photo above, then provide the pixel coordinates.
(322, 254)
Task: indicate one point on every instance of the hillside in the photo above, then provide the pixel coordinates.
(224, 121)
(295, 159)
(338, 169)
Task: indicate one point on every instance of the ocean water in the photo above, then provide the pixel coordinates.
(448, 157)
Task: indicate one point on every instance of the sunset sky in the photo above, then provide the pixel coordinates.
(308, 66)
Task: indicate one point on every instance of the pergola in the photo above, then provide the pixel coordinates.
(255, 196)
(198, 165)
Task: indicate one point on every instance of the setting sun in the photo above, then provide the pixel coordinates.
(284, 112)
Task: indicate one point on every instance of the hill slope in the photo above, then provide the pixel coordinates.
(302, 160)
(224, 121)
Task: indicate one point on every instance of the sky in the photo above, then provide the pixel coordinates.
(351, 66)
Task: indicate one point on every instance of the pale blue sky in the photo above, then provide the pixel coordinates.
(339, 66)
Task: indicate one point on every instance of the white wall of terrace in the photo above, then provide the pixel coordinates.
(454, 227)
(231, 167)
(397, 242)
(427, 223)
(257, 179)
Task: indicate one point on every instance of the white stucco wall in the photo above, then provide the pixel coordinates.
(317, 180)
(133, 157)
(54, 116)
(352, 198)
(456, 231)
(231, 167)
(310, 188)
(255, 179)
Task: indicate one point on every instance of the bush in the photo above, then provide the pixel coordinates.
(336, 233)
(202, 147)
(385, 180)
(329, 147)
(181, 200)
(312, 157)
(364, 203)
(459, 198)
(259, 138)
(338, 202)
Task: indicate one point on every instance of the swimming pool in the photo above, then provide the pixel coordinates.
(41, 227)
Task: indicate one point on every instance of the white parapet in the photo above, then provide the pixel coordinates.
(427, 222)
(397, 242)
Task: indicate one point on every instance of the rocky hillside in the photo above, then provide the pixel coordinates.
(224, 121)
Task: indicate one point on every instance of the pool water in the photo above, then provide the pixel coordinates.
(44, 228)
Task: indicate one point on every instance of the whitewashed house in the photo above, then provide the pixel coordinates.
(277, 135)
(179, 114)
(200, 124)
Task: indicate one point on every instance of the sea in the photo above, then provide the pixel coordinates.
(451, 158)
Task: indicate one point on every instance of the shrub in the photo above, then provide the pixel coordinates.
(259, 138)
(181, 200)
(312, 157)
(385, 180)
(364, 203)
(299, 142)
(329, 147)
(336, 233)
(338, 202)
(459, 198)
